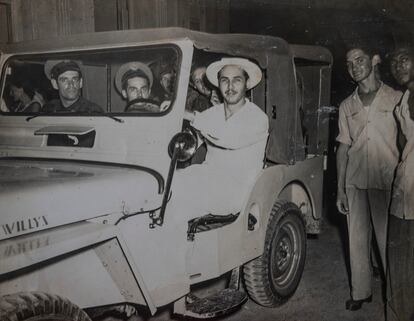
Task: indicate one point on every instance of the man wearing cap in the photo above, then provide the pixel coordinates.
(236, 134)
(400, 278)
(66, 77)
(367, 156)
(134, 81)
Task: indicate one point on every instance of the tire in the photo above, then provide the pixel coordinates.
(39, 306)
(272, 278)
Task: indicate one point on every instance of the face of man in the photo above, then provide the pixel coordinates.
(402, 67)
(359, 64)
(69, 85)
(16, 93)
(232, 84)
(198, 77)
(167, 81)
(136, 88)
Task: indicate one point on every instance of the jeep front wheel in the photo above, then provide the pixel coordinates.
(39, 306)
(273, 277)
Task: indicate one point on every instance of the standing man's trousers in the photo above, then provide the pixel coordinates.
(368, 213)
(400, 277)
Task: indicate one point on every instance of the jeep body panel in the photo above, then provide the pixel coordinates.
(63, 259)
(220, 250)
(39, 194)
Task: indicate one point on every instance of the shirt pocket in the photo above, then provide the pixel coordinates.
(385, 121)
(356, 123)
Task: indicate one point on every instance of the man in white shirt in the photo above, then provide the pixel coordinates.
(366, 159)
(236, 134)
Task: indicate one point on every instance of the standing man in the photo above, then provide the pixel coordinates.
(366, 159)
(400, 278)
(66, 77)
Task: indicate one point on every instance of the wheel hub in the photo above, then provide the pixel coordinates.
(283, 254)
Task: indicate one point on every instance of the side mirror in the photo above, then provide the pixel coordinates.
(184, 144)
(181, 148)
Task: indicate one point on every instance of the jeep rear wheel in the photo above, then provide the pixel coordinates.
(39, 306)
(273, 277)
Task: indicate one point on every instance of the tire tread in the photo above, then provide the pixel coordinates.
(255, 272)
(23, 305)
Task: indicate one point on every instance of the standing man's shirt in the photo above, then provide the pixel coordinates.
(402, 203)
(371, 133)
(82, 105)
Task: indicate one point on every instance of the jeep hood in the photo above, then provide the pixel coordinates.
(35, 195)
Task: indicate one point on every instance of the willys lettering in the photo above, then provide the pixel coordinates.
(27, 224)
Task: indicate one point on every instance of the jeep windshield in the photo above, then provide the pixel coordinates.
(129, 81)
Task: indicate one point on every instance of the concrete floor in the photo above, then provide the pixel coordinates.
(322, 292)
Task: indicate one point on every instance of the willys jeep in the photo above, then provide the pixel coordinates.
(84, 197)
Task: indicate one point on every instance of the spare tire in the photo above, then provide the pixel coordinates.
(39, 306)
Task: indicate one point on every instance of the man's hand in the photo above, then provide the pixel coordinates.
(190, 116)
(214, 99)
(342, 202)
(402, 113)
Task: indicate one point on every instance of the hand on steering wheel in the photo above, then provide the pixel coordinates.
(142, 105)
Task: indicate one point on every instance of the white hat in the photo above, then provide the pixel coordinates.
(133, 68)
(254, 72)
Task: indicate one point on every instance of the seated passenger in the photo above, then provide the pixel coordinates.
(200, 97)
(167, 78)
(236, 133)
(24, 97)
(66, 77)
(134, 81)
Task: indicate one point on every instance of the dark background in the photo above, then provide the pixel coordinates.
(334, 24)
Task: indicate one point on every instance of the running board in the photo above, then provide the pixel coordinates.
(218, 304)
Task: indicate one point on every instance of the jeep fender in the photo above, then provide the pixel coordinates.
(85, 262)
(300, 183)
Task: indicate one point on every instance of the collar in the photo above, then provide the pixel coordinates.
(355, 94)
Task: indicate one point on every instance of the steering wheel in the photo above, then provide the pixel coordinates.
(142, 105)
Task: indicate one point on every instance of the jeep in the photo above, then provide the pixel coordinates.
(84, 211)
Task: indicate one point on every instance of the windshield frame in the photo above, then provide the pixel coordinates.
(64, 53)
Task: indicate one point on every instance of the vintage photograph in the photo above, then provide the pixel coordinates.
(206, 159)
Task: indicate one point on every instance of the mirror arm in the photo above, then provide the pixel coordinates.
(159, 219)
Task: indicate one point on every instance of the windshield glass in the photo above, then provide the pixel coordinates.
(126, 81)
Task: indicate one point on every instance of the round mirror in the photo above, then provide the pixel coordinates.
(184, 144)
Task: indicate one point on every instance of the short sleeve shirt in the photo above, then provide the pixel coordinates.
(371, 134)
(402, 202)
